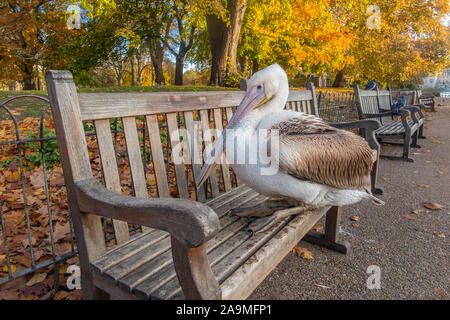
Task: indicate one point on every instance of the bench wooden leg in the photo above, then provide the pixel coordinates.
(407, 148)
(329, 239)
(421, 136)
(415, 138)
(374, 176)
(90, 291)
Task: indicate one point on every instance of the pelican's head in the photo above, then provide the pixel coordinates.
(267, 91)
(270, 87)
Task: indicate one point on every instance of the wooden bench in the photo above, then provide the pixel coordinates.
(404, 126)
(189, 246)
(426, 99)
(411, 105)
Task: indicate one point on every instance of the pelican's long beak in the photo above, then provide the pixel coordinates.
(253, 98)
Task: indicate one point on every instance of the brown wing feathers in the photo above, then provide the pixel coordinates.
(312, 150)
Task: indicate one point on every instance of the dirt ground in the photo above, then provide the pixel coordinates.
(411, 249)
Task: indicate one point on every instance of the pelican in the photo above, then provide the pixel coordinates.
(318, 165)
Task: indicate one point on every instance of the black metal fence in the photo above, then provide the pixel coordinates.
(20, 148)
(36, 230)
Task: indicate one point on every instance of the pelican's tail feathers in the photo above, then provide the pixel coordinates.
(375, 199)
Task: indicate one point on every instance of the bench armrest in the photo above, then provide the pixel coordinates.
(189, 223)
(415, 108)
(192, 223)
(368, 126)
(402, 112)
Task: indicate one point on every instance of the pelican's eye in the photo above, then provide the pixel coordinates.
(259, 87)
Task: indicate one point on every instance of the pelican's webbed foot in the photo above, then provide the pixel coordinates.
(264, 223)
(263, 209)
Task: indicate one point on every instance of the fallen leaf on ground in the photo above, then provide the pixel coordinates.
(30, 298)
(409, 217)
(61, 231)
(75, 295)
(441, 235)
(440, 292)
(376, 203)
(417, 211)
(37, 277)
(13, 268)
(426, 186)
(303, 253)
(37, 179)
(317, 228)
(436, 141)
(433, 205)
(354, 218)
(9, 295)
(322, 286)
(60, 295)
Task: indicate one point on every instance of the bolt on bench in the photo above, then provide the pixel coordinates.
(187, 249)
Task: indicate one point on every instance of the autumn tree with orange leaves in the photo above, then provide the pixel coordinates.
(231, 39)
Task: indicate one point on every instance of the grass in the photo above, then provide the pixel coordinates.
(31, 107)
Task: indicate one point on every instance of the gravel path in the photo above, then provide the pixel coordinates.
(412, 257)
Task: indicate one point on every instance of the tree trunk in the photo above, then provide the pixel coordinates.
(224, 41)
(29, 82)
(179, 70)
(339, 81)
(157, 56)
(255, 66)
(243, 62)
(133, 76)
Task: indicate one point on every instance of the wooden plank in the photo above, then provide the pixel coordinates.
(145, 254)
(195, 151)
(224, 166)
(124, 104)
(241, 283)
(135, 157)
(299, 95)
(110, 172)
(207, 138)
(229, 112)
(127, 250)
(179, 167)
(157, 156)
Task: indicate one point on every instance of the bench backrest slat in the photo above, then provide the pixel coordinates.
(207, 138)
(218, 121)
(110, 171)
(172, 125)
(159, 165)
